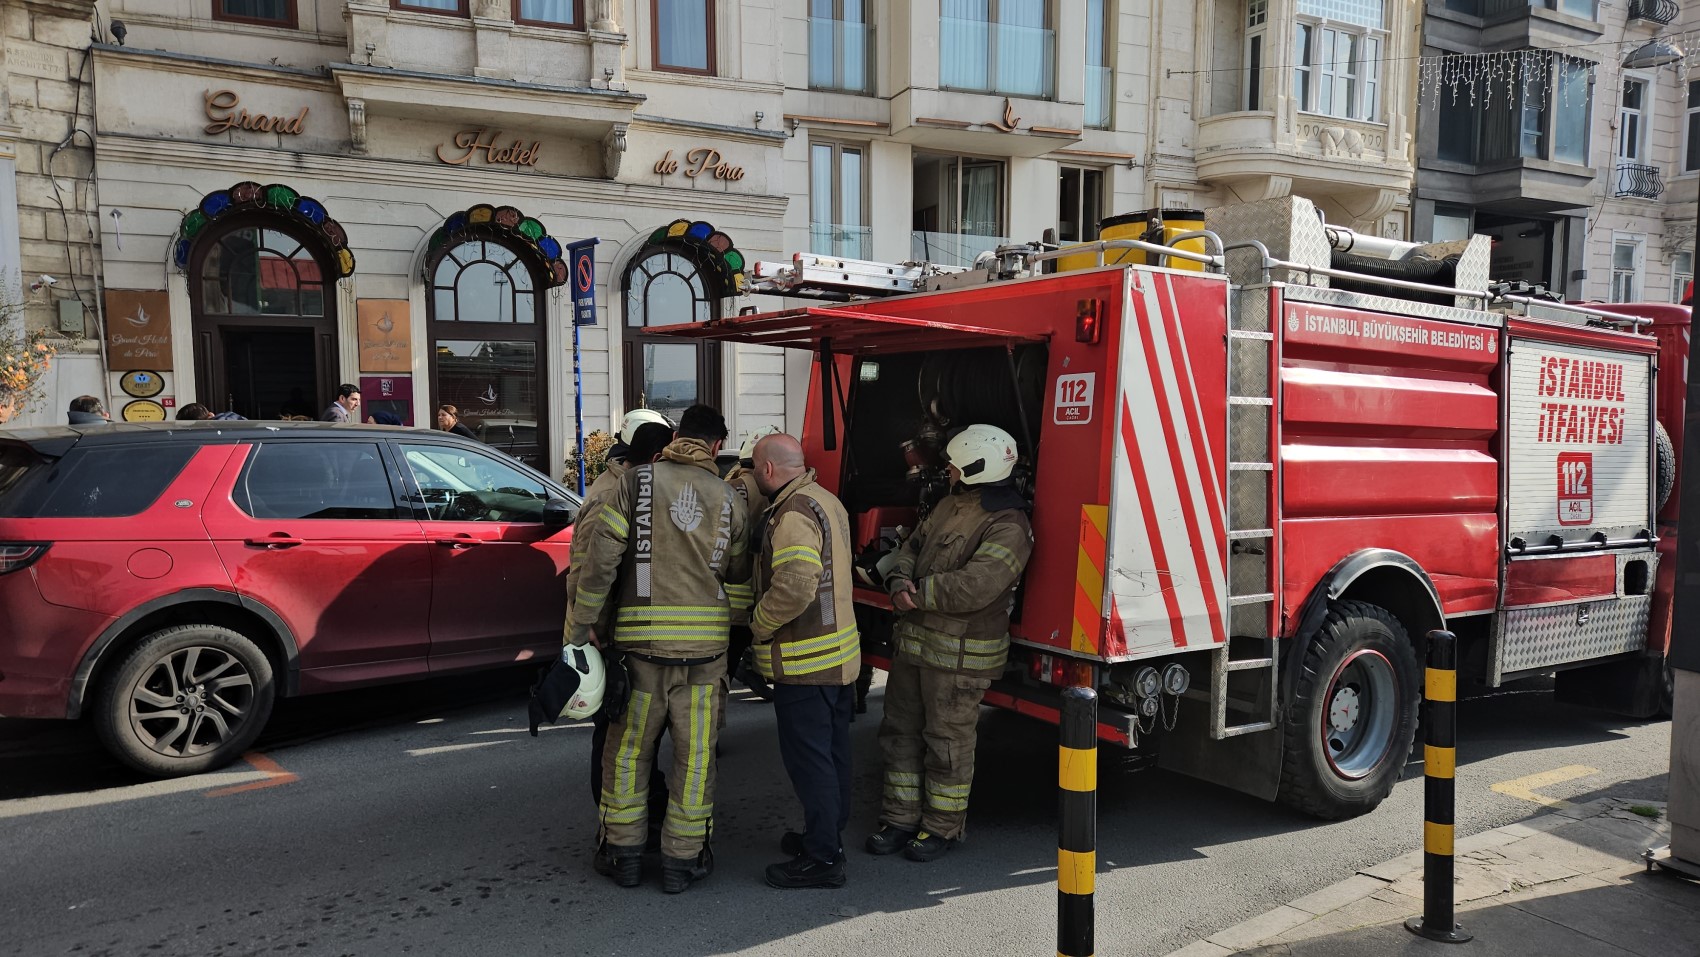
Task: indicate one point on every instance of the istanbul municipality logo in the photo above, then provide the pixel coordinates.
(686, 510)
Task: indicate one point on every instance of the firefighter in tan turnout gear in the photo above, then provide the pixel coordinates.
(742, 478)
(807, 644)
(953, 587)
(662, 550)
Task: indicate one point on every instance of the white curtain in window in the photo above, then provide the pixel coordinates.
(1023, 48)
(682, 33)
(980, 199)
(965, 44)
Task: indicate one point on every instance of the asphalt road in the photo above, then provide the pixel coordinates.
(424, 820)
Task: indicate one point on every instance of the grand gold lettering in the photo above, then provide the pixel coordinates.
(472, 143)
(224, 113)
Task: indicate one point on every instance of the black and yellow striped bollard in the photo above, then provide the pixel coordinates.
(1077, 828)
(1440, 762)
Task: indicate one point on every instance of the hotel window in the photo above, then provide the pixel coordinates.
(1627, 262)
(1691, 131)
(838, 201)
(1080, 204)
(1632, 120)
(996, 46)
(1337, 48)
(455, 8)
(1100, 74)
(1256, 35)
(841, 46)
(683, 35)
(958, 210)
(275, 13)
(551, 13)
(1682, 273)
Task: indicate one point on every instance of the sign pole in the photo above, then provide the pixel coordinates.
(581, 262)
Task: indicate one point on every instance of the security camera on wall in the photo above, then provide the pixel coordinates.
(43, 280)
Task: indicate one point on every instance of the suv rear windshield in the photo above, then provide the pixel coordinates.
(107, 482)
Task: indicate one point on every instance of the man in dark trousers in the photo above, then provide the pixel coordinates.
(806, 643)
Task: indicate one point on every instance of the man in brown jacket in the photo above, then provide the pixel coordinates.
(662, 549)
(806, 643)
(953, 588)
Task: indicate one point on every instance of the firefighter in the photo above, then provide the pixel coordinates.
(639, 447)
(953, 587)
(670, 538)
(743, 481)
(806, 644)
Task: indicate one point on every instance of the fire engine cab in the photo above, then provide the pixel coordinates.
(1266, 457)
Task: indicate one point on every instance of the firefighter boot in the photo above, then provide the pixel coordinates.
(677, 874)
(889, 840)
(928, 847)
(624, 865)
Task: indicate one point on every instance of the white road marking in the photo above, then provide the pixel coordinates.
(546, 727)
(422, 752)
(24, 807)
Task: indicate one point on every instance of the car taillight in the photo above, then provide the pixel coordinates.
(15, 556)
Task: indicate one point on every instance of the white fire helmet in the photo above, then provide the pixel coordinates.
(593, 680)
(637, 417)
(983, 453)
(748, 452)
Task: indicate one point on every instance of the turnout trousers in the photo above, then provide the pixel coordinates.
(927, 739)
(688, 701)
(814, 743)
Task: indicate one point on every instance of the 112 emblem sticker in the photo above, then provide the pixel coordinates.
(1074, 398)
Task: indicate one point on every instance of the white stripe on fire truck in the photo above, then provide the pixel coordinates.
(1176, 524)
(1201, 435)
(1204, 519)
(1202, 614)
(1157, 602)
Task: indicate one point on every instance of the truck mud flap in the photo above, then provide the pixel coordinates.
(1248, 763)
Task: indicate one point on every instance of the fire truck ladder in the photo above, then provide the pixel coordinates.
(1243, 671)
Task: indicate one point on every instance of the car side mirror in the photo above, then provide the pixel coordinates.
(557, 514)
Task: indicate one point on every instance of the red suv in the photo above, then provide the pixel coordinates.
(172, 581)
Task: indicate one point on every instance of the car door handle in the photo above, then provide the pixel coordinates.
(460, 541)
(277, 540)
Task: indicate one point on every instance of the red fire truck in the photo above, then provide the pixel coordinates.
(1266, 459)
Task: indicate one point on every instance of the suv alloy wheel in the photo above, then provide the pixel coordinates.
(185, 699)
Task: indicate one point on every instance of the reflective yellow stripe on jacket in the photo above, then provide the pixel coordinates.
(808, 656)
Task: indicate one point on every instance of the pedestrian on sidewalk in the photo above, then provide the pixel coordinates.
(346, 408)
(804, 630)
(88, 410)
(448, 420)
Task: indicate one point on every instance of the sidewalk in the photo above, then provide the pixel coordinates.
(1567, 883)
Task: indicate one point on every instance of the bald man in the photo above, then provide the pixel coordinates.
(804, 631)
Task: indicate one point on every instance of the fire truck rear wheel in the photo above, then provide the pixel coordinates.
(1667, 463)
(1354, 714)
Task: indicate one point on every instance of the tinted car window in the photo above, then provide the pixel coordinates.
(108, 482)
(461, 486)
(334, 480)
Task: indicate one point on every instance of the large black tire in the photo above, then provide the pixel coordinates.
(1354, 714)
(1666, 453)
(185, 700)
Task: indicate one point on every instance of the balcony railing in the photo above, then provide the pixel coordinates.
(983, 56)
(846, 242)
(951, 249)
(1654, 11)
(1100, 93)
(1639, 181)
(840, 55)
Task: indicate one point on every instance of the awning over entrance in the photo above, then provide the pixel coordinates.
(846, 332)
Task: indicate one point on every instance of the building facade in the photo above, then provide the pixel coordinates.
(1556, 129)
(282, 195)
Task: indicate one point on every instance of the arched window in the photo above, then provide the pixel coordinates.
(487, 338)
(264, 321)
(666, 286)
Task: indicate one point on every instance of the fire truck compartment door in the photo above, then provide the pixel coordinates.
(845, 331)
(1579, 456)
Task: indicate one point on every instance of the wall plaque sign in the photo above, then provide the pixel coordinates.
(386, 336)
(700, 161)
(225, 113)
(138, 332)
